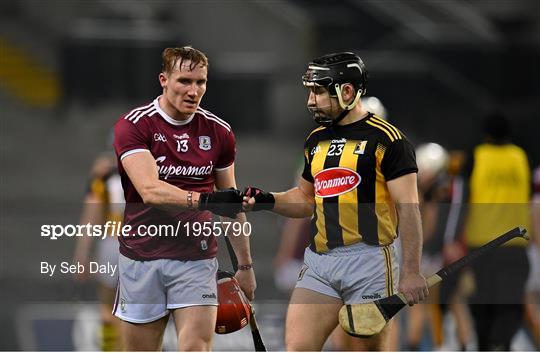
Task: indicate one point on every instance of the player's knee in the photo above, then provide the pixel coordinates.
(188, 340)
(295, 347)
(299, 344)
(200, 344)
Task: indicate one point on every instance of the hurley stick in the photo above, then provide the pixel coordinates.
(257, 339)
(368, 319)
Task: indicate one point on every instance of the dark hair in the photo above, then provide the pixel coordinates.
(171, 56)
(497, 126)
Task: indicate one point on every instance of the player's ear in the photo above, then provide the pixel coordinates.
(348, 92)
(162, 77)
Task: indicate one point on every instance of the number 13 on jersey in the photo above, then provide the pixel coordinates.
(182, 145)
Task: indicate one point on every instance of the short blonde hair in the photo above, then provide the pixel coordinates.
(172, 56)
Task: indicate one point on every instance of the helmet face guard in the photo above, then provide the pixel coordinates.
(332, 71)
(234, 309)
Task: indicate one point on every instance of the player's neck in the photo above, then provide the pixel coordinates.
(170, 110)
(357, 114)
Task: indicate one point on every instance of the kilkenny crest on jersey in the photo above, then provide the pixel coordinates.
(360, 147)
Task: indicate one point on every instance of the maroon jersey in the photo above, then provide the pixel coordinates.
(187, 154)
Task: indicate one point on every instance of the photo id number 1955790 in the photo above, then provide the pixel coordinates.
(207, 229)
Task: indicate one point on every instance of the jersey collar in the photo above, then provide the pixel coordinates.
(355, 123)
(167, 118)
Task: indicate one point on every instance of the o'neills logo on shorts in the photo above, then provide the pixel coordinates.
(335, 181)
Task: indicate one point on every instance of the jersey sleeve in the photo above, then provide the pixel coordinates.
(399, 159)
(306, 173)
(228, 151)
(130, 138)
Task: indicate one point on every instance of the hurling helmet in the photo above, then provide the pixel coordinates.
(332, 71)
(234, 308)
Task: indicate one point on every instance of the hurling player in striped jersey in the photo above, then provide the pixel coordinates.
(359, 175)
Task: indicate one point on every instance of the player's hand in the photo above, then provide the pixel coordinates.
(256, 199)
(247, 282)
(227, 203)
(413, 286)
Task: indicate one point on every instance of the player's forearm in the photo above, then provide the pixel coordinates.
(293, 203)
(410, 230)
(240, 243)
(166, 196)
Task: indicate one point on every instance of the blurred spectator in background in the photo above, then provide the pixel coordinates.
(103, 202)
(499, 201)
(433, 185)
(441, 196)
(532, 289)
(294, 239)
(455, 290)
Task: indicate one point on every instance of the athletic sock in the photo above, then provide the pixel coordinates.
(109, 337)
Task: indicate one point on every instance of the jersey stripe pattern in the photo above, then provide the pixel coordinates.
(349, 167)
(389, 277)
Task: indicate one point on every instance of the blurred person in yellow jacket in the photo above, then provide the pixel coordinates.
(499, 200)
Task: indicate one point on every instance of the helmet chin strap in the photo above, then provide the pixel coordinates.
(340, 117)
(327, 121)
(346, 107)
(340, 98)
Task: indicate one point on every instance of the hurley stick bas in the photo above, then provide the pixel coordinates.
(368, 319)
(257, 339)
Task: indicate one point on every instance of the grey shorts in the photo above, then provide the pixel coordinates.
(147, 290)
(358, 273)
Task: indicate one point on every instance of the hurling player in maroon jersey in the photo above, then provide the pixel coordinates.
(173, 155)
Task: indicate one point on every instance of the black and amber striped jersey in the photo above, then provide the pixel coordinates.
(349, 166)
(108, 190)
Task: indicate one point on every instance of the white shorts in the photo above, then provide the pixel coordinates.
(147, 290)
(358, 273)
(107, 253)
